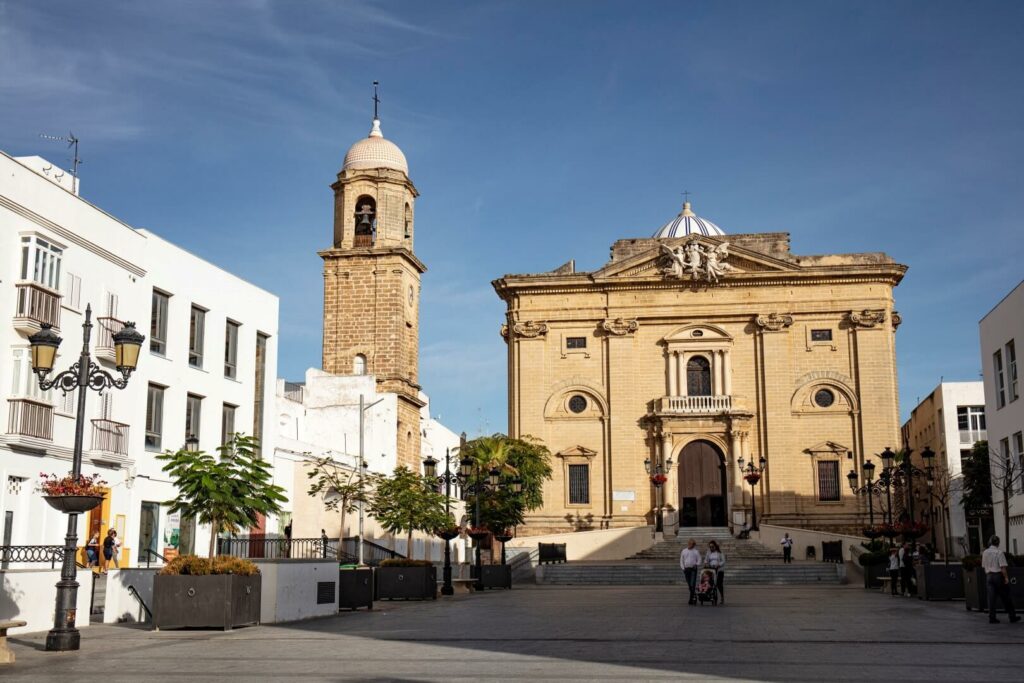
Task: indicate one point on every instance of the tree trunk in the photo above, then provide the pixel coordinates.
(341, 531)
(1006, 512)
(408, 544)
(213, 538)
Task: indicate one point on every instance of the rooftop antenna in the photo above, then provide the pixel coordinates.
(376, 98)
(75, 161)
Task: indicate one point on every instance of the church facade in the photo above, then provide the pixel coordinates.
(696, 352)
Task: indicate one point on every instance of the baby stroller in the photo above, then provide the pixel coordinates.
(706, 590)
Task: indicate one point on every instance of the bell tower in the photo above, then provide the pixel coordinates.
(372, 280)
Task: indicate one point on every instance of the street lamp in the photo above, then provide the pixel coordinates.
(83, 374)
(753, 475)
(658, 475)
(448, 479)
(871, 488)
(471, 481)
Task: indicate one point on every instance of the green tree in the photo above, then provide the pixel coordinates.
(525, 458)
(227, 492)
(977, 482)
(405, 502)
(342, 488)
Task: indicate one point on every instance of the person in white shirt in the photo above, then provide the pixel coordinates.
(894, 570)
(689, 561)
(787, 548)
(715, 559)
(993, 561)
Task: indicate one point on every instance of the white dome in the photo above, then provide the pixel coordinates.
(375, 152)
(688, 223)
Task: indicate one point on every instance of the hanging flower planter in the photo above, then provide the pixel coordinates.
(479, 533)
(503, 537)
(752, 478)
(871, 532)
(912, 530)
(658, 479)
(73, 505)
(447, 534)
(72, 495)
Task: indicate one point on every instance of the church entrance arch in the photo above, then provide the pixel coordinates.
(702, 487)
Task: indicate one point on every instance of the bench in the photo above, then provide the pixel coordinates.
(6, 656)
(460, 585)
(885, 582)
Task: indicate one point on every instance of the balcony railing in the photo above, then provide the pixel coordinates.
(29, 417)
(110, 437)
(973, 436)
(696, 405)
(107, 327)
(36, 305)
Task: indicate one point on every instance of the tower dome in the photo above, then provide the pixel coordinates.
(688, 223)
(374, 151)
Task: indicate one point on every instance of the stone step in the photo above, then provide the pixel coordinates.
(636, 574)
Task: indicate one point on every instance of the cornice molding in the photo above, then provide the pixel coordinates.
(773, 322)
(620, 327)
(866, 319)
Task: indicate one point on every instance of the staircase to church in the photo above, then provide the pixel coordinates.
(747, 563)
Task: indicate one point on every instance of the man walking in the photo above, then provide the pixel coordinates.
(993, 561)
(787, 549)
(906, 569)
(689, 560)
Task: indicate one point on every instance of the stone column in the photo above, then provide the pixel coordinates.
(670, 495)
(727, 369)
(673, 373)
(681, 367)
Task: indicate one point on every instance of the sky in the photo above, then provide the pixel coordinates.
(541, 131)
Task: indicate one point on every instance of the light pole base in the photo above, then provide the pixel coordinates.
(63, 640)
(447, 590)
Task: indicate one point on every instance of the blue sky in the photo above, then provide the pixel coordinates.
(542, 131)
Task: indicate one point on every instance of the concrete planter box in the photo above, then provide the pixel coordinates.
(872, 574)
(976, 588)
(496, 576)
(355, 588)
(216, 601)
(940, 581)
(405, 583)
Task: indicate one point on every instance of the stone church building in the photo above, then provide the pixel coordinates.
(695, 349)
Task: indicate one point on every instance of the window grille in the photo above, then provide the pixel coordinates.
(828, 481)
(579, 484)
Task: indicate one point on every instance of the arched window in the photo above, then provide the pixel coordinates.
(359, 364)
(408, 222)
(366, 221)
(698, 376)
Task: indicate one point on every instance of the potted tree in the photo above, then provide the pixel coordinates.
(343, 489)
(200, 592)
(405, 502)
(72, 495)
(227, 492)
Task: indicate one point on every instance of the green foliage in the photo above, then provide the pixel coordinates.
(526, 459)
(977, 481)
(403, 562)
(342, 489)
(406, 502)
(192, 565)
(875, 546)
(228, 492)
(873, 559)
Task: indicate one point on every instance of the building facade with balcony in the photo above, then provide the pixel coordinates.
(207, 366)
(950, 420)
(1001, 329)
(704, 348)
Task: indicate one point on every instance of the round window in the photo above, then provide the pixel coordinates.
(698, 333)
(577, 404)
(823, 398)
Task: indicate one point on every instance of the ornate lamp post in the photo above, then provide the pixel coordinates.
(471, 481)
(871, 488)
(447, 479)
(753, 475)
(659, 475)
(83, 374)
(886, 478)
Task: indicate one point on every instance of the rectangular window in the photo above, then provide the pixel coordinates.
(197, 322)
(72, 291)
(193, 411)
(258, 389)
(575, 342)
(158, 323)
(579, 484)
(40, 261)
(231, 350)
(997, 366)
(821, 335)
(1011, 369)
(154, 417)
(149, 531)
(24, 383)
(828, 481)
(227, 423)
(1018, 452)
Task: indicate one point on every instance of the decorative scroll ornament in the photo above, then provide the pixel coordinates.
(620, 326)
(529, 329)
(504, 331)
(694, 261)
(773, 322)
(897, 319)
(867, 318)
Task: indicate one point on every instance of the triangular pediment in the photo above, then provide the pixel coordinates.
(827, 447)
(577, 452)
(681, 258)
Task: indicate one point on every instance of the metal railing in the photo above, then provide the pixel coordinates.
(107, 327)
(38, 304)
(110, 437)
(293, 391)
(696, 404)
(973, 436)
(29, 417)
(255, 548)
(373, 553)
(135, 593)
(31, 554)
(151, 555)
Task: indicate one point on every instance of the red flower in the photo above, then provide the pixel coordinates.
(658, 479)
(84, 485)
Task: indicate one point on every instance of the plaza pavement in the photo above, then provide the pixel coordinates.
(772, 633)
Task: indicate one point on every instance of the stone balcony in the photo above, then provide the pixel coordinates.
(35, 306)
(30, 417)
(698, 405)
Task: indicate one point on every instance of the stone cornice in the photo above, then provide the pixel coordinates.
(373, 252)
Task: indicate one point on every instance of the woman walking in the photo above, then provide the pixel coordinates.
(92, 550)
(110, 545)
(715, 559)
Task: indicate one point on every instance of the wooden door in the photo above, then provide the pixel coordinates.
(702, 485)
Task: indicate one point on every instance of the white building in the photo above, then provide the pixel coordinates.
(1000, 330)
(950, 420)
(320, 418)
(211, 343)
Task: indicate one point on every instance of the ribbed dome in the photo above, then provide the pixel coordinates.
(375, 152)
(688, 223)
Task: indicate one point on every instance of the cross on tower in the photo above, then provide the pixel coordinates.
(686, 195)
(376, 98)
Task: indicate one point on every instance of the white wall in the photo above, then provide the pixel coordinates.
(119, 604)
(770, 536)
(288, 589)
(1001, 325)
(600, 544)
(30, 595)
